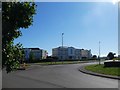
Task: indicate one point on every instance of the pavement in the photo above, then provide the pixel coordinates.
(83, 70)
(55, 76)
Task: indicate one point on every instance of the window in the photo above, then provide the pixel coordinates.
(61, 57)
(71, 51)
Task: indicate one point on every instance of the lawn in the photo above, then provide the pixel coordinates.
(104, 70)
(60, 62)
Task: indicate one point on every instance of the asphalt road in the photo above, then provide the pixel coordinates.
(55, 76)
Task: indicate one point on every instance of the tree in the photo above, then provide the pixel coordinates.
(15, 15)
(15, 56)
(94, 57)
(110, 55)
(32, 58)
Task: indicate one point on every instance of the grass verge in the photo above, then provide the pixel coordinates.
(57, 63)
(115, 71)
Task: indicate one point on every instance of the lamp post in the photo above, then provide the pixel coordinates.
(62, 39)
(62, 47)
(99, 52)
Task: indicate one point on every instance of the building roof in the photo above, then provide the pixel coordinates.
(62, 47)
(32, 48)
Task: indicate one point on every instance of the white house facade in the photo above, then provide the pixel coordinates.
(78, 54)
(86, 53)
(60, 52)
(71, 53)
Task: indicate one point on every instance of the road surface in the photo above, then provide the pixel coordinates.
(55, 76)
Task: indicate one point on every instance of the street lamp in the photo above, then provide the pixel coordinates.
(62, 47)
(62, 39)
(99, 52)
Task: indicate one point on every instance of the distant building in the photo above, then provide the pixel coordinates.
(86, 53)
(60, 52)
(27, 53)
(70, 53)
(44, 54)
(36, 52)
(78, 54)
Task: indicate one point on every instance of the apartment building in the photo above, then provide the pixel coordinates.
(70, 53)
(60, 52)
(78, 54)
(36, 52)
(86, 53)
(44, 54)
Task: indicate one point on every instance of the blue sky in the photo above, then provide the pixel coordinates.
(84, 24)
